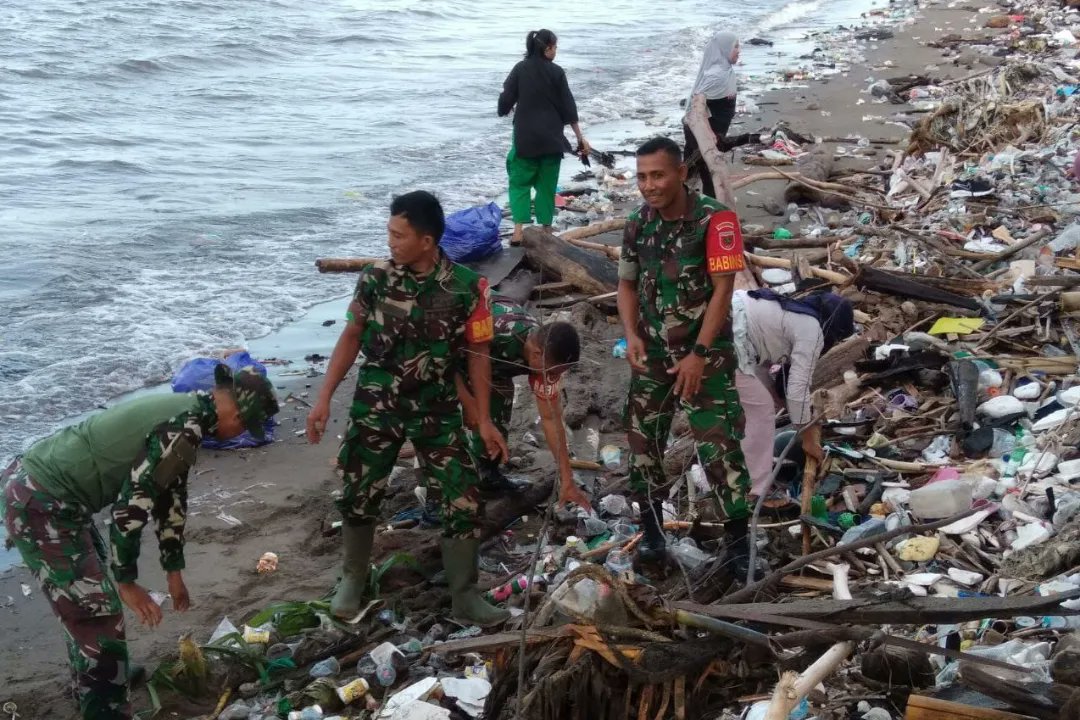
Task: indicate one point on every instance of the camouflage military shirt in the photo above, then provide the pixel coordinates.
(671, 261)
(136, 456)
(512, 325)
(415, 328)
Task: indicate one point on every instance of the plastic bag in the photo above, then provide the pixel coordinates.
(198, 374)
(472, 234)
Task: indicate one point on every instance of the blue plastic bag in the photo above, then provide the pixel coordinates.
(472, 234)
(198, 374)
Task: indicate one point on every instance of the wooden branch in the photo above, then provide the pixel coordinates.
(885, 610)
(910, 286)
(753, 589)
(767, 243)
(590, 273)
(598, 228)
(326, 265)
(923, 707)
(764, 261)
(830, 368)
(697, 119)
(793, 688)
(1012, 250)
(840, 572)
(610, 250)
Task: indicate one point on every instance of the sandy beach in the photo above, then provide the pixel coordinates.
(281, 495)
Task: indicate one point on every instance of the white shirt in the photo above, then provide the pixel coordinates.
(778, 336)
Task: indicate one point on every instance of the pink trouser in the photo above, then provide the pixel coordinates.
(759, 410)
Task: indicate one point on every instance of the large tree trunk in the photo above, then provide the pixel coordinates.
(590, 273)
(697, 119)
(815, 165)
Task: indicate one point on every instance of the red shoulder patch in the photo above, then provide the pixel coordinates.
(724, 244)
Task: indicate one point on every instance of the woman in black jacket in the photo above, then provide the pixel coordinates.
(545, 105)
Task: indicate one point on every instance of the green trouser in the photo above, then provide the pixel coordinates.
(372, 442)
(60, 547)
(716, 422)
(541, 173)
(502, 407)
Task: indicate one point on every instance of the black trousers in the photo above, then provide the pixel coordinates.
(721, 112)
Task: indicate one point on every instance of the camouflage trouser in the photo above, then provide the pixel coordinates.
(716, 421)
(59, 544)
(370, 449)
(502, 408)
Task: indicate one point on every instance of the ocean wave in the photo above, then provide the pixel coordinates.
(104, 166)
(142, 67)
(788, 14)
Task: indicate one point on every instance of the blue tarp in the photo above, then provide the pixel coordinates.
(472, 234)
(198, 374)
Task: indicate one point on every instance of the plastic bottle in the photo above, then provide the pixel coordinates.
(312, 712)
(611, 456)
(1003, 443)
(1010, 464)
(1067, 239)
(619, 350)
(325, 668)
(940, 499)
(386, 674)
(516, 586)
(619, 563)
(873, 526)
(847, 520)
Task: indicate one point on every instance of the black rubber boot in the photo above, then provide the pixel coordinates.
(738, 546)
(493, 482)
(653, 546)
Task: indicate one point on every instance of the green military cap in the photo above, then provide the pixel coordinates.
(254, 396)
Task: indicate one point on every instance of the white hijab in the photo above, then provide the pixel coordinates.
(716, 78)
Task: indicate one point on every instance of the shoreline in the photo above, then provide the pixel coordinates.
(281, 493)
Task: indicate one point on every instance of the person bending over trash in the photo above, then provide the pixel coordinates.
(772, 329)
(522, 346)
(411, 320)
(135, 456)
(680, 253)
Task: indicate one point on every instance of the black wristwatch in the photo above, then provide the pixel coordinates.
(700, 350)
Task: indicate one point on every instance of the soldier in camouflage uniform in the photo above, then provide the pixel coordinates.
(676, 275)
(522, 346)
(136, 457)
(412, 319)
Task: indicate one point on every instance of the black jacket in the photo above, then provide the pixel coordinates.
(545, 106)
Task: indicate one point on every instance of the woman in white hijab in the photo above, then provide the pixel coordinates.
(717, 82)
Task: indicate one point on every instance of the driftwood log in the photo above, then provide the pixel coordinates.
(815, 165)
(909, 286)
(326, 265)
(908, 611)
(557, 259)
(697, 119)
(830, 368)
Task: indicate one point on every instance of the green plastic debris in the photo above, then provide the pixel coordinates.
(781, 234)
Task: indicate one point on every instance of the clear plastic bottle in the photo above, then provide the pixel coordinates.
(386, 674)
(325, 668)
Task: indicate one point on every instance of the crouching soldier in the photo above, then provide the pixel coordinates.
(522, 346)
(136, 457)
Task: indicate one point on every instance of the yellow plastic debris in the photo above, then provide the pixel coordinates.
(919, 549)
(956, 326)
